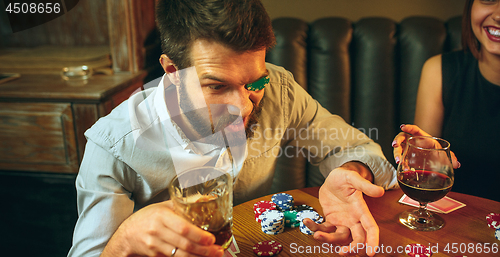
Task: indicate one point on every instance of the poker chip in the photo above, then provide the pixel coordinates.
(290, 217)
(267, 248)
(261, 206)
(280, 212)
(283, 201)
(313, 215)
(302, 207)
(417, 250)
(308, 214)
(272, 222)
(497, 234)
(272, 215)
(493, 220)
(304, 229)
(293, 225)
(258, 218)
(273, 232)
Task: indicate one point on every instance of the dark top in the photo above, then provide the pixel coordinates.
(471, 125)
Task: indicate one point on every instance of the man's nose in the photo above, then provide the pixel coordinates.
(240, 103)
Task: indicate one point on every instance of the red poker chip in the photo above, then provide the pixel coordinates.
(417, 250)
(262, 206)
(258, 218)
(267, 248)
(493, 220)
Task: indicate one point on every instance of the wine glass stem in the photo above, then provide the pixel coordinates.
(422, 213)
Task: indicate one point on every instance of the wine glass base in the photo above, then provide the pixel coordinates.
(422, 221)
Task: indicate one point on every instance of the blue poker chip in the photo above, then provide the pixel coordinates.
(270, 223)
(272, 226)
(497, 234)
(283, 208)
(273, 232)
(282, 199)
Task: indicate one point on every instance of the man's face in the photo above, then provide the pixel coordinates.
(223, 75)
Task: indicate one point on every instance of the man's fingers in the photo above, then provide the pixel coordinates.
(372, 233)
(365, 186)
(185, 229)
(182, 243)
(325, 227)
(342, 236)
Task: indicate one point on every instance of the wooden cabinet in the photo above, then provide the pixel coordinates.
(37, 135)
(43, 118)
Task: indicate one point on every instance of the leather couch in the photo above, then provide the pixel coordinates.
(365, 71)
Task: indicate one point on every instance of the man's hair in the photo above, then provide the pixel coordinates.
(469, 40)
(241, 25)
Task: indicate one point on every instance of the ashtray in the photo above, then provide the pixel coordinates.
(76, 72)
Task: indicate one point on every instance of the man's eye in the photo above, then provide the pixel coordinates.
(216, 87)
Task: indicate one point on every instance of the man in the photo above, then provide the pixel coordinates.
(214, 60)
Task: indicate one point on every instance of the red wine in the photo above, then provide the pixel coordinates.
(424, 186)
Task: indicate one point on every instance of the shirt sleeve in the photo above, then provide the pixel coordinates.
(329, 141)
(103, 200)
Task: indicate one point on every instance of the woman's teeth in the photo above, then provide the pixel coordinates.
(494, 32)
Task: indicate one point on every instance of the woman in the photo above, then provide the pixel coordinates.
(459, 100)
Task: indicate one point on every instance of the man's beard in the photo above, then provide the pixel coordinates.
(200, 121)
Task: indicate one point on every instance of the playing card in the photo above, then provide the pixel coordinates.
(232, 250)
(443, 205)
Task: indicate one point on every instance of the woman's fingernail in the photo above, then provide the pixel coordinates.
(394, 143)
(397, 159)
(402, 126)
(459, 164)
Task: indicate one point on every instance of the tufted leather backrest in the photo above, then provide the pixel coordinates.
(366, 71)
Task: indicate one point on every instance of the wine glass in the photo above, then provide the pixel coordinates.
(425, 174)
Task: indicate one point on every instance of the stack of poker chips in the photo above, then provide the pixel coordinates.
(291, 220)
(283, 201)
(313, 215)
(262, 206)
(272, 222)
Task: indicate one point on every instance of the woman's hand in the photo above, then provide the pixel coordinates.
(399, 143)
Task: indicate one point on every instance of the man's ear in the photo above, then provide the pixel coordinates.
(170, 69)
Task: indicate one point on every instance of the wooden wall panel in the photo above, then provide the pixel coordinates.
(130, 24)
(86, 24)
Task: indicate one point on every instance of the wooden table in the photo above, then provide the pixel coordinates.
(465, 227)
